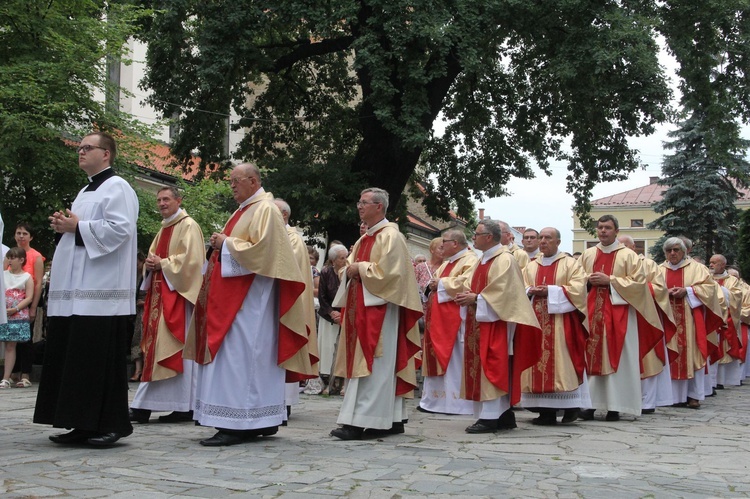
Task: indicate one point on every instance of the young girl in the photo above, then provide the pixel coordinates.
(19, 291)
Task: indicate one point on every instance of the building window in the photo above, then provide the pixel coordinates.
(640, 246)
(591, 244)
(636, 222)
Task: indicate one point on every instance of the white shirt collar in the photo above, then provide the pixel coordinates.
(458, 255)
(249, 200)
(174, 215)
(611, 247)
(675, 266)
(549, 260)
(533, 253)
(372, 230)
(487, 255)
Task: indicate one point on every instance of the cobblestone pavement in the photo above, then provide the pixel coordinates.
(673, 453)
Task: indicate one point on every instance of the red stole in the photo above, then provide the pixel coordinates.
(679, 365)
(162, 302)
(219, 301)
(442, 322)
(649, 336)
(543, 371)
(607, 322)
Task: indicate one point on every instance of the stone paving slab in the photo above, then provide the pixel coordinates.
(673, 453)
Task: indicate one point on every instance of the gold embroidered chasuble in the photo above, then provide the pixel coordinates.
(388, 275)
(258, 241)
(299, 248)
(689, 341)
(561, 366)
(500, 284)
(182, 268)
(629, 281)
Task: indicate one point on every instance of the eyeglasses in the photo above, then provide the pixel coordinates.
(675, 250)
(477, 234)
(235, 181)
(449, 241)
(87, 149)
(360, 204)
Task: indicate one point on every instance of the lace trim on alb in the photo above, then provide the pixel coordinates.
(218, 411)
(92, 294)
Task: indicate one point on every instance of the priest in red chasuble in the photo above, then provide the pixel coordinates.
(656, 380)
(379, 331)
(502, 333)
(172, 281)
(698, 314)
(745, 321)
(556, 284)
(248, 333)
(618, 305)
(729, 370)
(443, 352)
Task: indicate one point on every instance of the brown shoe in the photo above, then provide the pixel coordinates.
(693, 404)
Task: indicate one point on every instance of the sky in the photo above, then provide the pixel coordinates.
(542, 201)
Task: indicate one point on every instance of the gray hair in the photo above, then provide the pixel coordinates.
(283, 207)
(458, 236)
(173, 189)
(334, 251)
(378, 195)
(687, 243)
(494, 227)
(672, 242)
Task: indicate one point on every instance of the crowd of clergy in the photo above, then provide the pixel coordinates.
(229, 335)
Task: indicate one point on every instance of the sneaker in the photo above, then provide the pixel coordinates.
(5, 384)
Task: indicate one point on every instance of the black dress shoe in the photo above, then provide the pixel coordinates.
(719, 387)
(427, 411)
(570, 415)
(586, 414)
(396, 429)
(140, 415)
(262, 432)
(104, 440)
(612, 416)
(507, 420)
(177, 417)
(648, 411)
(72, 437)
(483, 426)
(348, 432)
(546, 418)
(223, 438)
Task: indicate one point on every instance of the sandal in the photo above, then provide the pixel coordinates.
(23, 383)
(4, 384)
(136, 378)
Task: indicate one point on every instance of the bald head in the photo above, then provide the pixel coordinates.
(627, 241)
(717, 264)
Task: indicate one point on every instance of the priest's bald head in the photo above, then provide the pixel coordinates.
(245, 181)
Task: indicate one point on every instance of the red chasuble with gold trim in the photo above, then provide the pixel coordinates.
(364, 325)
(161, 301)
(226, 295)
(607, 323)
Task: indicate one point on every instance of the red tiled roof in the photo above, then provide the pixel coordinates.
(162, 161)
(420, 223)
(645, 196)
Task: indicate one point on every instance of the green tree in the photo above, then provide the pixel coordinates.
(743, 245)
(341, 94)
(701, 189)
(52, 66)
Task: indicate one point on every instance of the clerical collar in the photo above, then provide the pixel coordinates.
(98, 179)
(533, 253)
(675, 266)
(372, 230)
(251, 198)
(610, 248)
(174, 215)
(458, 255)
(549, 260)
(487, 255)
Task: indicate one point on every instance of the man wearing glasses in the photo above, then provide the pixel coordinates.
(84, 384)
(379, 331)
(502, 333)
(443, 355)
(618, 293)
(248, 331)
